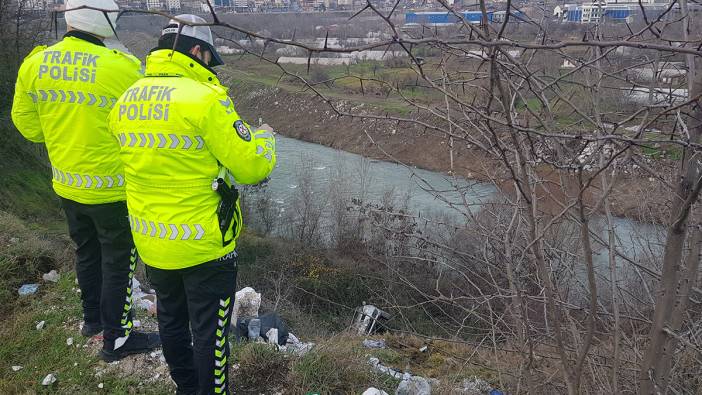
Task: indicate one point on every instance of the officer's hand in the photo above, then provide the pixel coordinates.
(266, 128)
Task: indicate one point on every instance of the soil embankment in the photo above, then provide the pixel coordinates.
(305, 117)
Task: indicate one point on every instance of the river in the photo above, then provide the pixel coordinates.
(316, 167)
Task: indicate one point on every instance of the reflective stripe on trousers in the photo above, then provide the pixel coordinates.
(164, 230)
(87, 180)
(220, 370)
(126, 321)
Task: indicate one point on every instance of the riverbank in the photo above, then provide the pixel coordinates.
(306, 117)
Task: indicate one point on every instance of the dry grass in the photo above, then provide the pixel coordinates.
(26, 253)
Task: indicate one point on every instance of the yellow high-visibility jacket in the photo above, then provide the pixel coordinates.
(175, 127)
(62, 98)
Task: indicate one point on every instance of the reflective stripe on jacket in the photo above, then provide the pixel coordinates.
(62, 98)
(174, 128)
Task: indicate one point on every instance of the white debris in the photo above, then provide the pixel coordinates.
(473, 386)
(48, 380)
(69, 341)
(295, 346)
(51, 276)
(101, 385)
(416, 385)
(369, 343)
(369, 318)
(272, 336)
(136, 323)
(143, 300)
(246, 304)
(40, 325)
(423, 349)
(16, 368)
(374, 391)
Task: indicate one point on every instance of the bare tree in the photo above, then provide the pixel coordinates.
(543, 269)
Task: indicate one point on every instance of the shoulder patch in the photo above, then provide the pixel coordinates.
(242, 130)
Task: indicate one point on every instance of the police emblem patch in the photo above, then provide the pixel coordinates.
(242, 130)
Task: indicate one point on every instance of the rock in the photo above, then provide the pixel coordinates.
(51, 276)
(101, 385)
(369, 343)
(416, 385)
(424, 348)
(69, 341)
(28, 289)
(40, 325)
(374, 391)
(16, 368)
(246, 303)
(49, 379)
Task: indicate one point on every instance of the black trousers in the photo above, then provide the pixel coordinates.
(105, 263)
(198, 298)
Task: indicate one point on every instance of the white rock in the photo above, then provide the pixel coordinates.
(49, 379)
(374, 391)
(16, 368)
(40, 325)
(423, 349)
(101, 385)
(51, 276)
(69, 341)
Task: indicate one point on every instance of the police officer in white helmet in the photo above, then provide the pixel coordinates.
(62, 99)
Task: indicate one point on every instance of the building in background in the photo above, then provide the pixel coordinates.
(444, 18)
(154, 5)
(595, 12)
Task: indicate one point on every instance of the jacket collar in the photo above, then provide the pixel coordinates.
(85, 37)
(170, 63)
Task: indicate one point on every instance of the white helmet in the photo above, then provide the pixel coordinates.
(92, 21)
(200, 33)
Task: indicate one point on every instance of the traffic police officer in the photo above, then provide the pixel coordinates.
(182, 144)
(62, 98)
